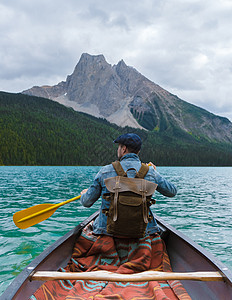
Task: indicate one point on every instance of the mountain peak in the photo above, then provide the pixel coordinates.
(124, 96)
(85, 57)
(121, 63)
(89, 64)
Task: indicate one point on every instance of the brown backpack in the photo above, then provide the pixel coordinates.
(130, 199)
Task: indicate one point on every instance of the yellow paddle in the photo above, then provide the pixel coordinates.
(38, 213)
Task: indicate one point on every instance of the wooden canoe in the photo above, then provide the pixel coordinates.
(185, 256)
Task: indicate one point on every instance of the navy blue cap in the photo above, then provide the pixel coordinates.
(131, 140)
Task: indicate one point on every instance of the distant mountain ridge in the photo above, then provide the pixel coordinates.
(123, 96)
(39, 131)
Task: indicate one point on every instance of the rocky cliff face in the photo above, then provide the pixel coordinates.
(123, 96)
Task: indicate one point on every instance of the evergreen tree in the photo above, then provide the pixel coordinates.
(38, 131)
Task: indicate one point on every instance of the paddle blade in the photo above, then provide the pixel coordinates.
(33, 215)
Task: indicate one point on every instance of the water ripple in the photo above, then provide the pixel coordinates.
(202, 209)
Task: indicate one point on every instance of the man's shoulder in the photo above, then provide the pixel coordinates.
(107, 169)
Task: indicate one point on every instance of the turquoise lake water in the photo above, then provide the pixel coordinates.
(202, 209)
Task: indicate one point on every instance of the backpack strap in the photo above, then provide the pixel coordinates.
(120, 172)
(119, 169)
(142, 171)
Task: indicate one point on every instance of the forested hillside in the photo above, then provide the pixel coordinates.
(38, 131)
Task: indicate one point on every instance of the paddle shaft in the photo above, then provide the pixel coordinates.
(137, 277)
(53, 207)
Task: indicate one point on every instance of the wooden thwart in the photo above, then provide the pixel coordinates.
(137, 277)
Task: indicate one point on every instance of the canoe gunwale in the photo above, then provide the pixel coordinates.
(15, 286)
(201, 251)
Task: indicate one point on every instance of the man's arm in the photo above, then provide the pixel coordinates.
(165, 187)
(92, 194)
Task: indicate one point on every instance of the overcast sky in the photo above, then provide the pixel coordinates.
(185, 46)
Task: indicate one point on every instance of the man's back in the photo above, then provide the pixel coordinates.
(129, 145)
(98, 188)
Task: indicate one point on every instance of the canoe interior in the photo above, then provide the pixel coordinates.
(185, 256)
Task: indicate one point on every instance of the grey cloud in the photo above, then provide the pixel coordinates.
(184, 46)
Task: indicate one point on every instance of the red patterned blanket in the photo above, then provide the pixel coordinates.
(126, 256)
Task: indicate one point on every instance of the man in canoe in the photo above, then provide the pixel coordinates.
(124, 238)
(130, 166)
